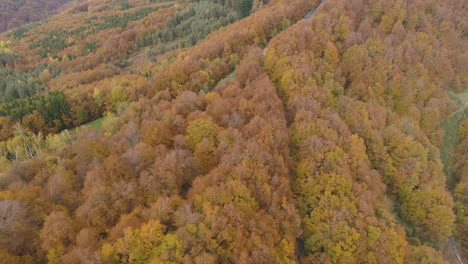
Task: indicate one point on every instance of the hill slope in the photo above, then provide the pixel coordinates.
(234, 132)
(19, 12)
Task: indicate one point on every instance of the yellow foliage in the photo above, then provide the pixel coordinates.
(145, 245)
(199, 129)
(5, 47)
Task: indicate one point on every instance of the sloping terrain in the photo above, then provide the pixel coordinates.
(14, 13)
(234, 132)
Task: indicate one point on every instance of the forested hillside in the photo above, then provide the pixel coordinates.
(14, 13)
(199, 132)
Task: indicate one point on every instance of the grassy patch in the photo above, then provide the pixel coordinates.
(464, 98)
(450, 127)
(95, 125)
(231, 78)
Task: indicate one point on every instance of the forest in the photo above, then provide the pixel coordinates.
(226, 131)
(14, 13)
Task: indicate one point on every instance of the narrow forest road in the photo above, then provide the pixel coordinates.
(452, 244)
(311, 13)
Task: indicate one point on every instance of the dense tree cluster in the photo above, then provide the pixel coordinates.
(58, 110)
(242, 7)
(18, 84)
(190, 25)
(276, 139)
(460, 192)
(24, 86)
(7, 55)
(56, 40)
(18, 12)
(354, 95)
(122, 20)
(146, 178)
(83, 109)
